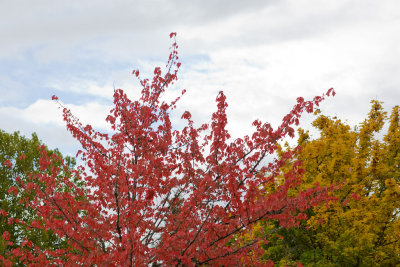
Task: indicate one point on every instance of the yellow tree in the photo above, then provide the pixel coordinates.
(362, 228)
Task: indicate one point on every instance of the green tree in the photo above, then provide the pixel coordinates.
(20, 157)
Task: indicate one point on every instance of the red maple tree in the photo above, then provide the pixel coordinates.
(155, 196)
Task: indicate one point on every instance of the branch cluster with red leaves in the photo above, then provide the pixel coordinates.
(155, 195)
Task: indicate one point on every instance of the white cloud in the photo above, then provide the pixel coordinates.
(263, 54)
(46, 125)
(44, 118)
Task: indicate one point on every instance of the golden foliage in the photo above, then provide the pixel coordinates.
(363, 227)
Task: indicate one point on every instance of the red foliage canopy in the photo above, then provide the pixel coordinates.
(155, 195)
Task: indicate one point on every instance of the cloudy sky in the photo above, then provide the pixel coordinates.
(262, 54)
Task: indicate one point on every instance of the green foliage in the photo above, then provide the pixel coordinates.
(24, 155)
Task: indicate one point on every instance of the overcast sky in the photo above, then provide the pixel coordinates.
(262, 54)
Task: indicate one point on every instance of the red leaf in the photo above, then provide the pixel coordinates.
(8, 164)
(355, 196)
(6, 235)
(13, 190)
(328, 93)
